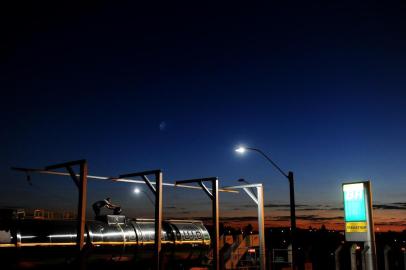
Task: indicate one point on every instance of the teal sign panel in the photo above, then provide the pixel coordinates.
(354, 202)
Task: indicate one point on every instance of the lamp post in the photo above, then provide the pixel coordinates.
(290, 178)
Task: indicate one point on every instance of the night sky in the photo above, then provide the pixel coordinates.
(130, 87)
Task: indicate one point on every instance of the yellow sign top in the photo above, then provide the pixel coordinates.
(354, 227)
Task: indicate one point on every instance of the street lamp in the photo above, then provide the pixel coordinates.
(241, 150)
(138, 191)
(290, 178)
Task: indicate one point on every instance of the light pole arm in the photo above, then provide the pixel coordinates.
(270, 160)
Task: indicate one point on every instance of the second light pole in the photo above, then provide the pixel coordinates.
(290, 178)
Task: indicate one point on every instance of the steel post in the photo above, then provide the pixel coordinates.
(158, 219)
(370, 254)
(404, 258)
(215, 208)
(261, 227)
(386, 251)
(364, 258)
(353, 254)
(82, 205)
(337, 257)
(292, 219)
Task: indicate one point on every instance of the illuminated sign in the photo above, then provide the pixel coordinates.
(359, 221)
(354, 203)
(352, 227)
(357, 211)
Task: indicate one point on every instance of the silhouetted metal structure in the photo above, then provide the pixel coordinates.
(213, 195)
(258, 199)
(157, 191)
(156, 188)
(81, 182)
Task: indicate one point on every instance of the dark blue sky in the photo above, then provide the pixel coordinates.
(318, 87)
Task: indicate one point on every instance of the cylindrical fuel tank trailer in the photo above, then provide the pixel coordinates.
(31, 243)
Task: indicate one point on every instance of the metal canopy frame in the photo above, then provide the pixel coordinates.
(155, 187)
(157, 191)
(259, 201)
(80, 181)
(114, 179)
(213, 195)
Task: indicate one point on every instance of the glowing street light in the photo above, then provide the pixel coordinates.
(241, 150)
(138, 191)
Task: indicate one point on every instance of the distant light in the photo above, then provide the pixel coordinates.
(162, 126)
(137, 190)
(241, 150)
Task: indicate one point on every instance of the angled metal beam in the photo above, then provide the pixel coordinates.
(27, 170)
(139, 174)
(205, 189)
(248, 189)
(65, 164)
(73, 176)
(242, 186)
(195, 180)
(149, 184)
(252, 195)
